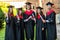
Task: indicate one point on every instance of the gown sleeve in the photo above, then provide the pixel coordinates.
(44, 24)
(51, 19)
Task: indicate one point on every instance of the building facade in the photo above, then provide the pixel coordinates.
(41, 3)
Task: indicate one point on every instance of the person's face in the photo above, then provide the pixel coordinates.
(20, 12)
(11, 10)
(49, 7)
(28, 7)
(38, 10)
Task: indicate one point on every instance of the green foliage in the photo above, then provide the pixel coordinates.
(1, 18)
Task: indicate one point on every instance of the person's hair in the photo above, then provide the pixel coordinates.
(29, 5)
(18, 12)
(10, 12)
(41, 13)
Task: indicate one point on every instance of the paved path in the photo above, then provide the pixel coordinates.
(58, 31)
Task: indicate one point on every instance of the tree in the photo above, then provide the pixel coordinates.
(1, 18)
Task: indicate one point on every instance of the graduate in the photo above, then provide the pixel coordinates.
(40, 24)
(10, 31)
(28, 22)
(51, 22)
(19, 25)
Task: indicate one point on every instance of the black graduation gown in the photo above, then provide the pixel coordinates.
(51, 26)
(29, 27)
(44, 31)
(19, 29)
(10, 31)
(39, 25)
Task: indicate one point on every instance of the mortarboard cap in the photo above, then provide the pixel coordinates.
(39, 7)
(28, 3)
(10, 6)
(19, 8)
(49, 3)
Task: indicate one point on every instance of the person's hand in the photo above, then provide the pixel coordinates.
(30, 17)
(6, 15)
(35, 20)
(44, 21)
(18, 17)
(25, 20)
(42, 29)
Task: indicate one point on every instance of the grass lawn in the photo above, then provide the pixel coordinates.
(2, 33)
